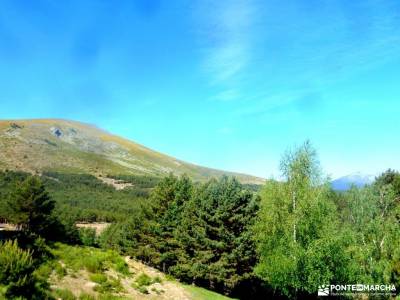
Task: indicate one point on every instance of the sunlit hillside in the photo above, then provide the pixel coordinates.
(68, 146)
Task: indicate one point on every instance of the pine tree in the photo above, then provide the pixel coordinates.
(30, 206)
(218, 251)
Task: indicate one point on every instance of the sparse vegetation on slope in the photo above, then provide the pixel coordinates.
(72, 147)
(77, 272)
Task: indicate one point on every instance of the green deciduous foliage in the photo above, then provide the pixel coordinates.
(88, 236)
(298, 245)
(285, 240)
(389, 178)
(371, 214)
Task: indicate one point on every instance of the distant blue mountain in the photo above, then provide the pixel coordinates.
(357, 179)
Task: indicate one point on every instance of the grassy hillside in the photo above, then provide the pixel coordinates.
(73, 147)
(77, 272)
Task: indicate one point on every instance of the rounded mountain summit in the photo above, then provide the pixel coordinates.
(68, 146)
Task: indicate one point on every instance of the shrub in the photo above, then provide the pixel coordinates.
(93, 264)
(64, 294)
(143, 290)
(92, 259)
(157, 291)
(87, 236)
(16, 268)
(108, 284)
(157, 279)
(59, 269)
(143, 280)
(84, 296)
(122, 267)
(98, 278)
(44, 271)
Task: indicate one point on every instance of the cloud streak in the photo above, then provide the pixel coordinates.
(225, 31)
(290, 51)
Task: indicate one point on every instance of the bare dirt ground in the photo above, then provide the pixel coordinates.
(98, 226)
(117, 184)
(170, 290)
(7, 227)
(79, 283)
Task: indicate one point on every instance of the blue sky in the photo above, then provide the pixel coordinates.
(225, 84)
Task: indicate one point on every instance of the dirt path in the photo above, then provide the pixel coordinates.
(164, 289)
(98, 226)
(170, 290)
(117, 184)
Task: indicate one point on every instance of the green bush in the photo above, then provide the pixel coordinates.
(16, 268)
(44, 270)
(106, 285)
(98, 278)
(143, 290)
(88, 236)
(59, 269)
(64, 294)
(143, 280)
(94, 264)
(84, 296)
(157, 291)
(122, 267)
(157, 279)
(92, 259)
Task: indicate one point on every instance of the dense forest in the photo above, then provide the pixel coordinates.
(282, 240)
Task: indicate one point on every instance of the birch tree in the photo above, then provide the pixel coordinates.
(295, 231)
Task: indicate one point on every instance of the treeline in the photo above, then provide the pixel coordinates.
(28, 207)
(199, 233)
(308, 235)
(283, 241)
(27, 248)
(85, 198)
(138, 181)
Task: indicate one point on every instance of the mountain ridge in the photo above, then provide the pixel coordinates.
(357, 179)
(37, 145)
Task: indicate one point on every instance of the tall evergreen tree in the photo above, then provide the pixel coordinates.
(170, 223)
(30, 206)
(217, 247)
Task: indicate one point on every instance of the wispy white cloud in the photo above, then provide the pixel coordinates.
(227, 95)
(225, 31)
(270, 48)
